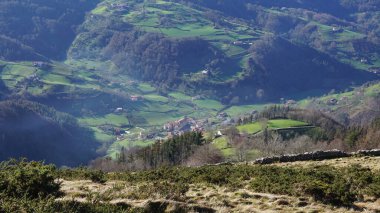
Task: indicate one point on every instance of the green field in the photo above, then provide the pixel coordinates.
(116, 146)
(156, 98)
(101, 136)
(256, 127)
(250, 128)
(180, 96)
(111, 119)
(229, 152)
(177, 20)
(99, 10)
(222, 144)
(209, 104)
(146, 88)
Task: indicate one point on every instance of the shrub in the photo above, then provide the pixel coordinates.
(27, 179)
(97, 176)
(172, 191)
(326, 184)
(334, 191)
(49, 204)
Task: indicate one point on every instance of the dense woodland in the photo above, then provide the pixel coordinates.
(267, 78)
(39, 28)
(152, 57)
(35, 131)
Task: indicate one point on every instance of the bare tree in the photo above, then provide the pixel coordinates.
(206, 154)
(301, 144)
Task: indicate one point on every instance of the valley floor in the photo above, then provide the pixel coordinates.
(212, 198)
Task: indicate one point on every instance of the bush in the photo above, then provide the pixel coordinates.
(171, 191)
(28, 179)
(329, 185)
(49, 204)
(331, 190)
(97, 176)
(336, 186)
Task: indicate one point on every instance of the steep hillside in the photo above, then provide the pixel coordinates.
(233, 56)
(47, 28)
(38, 132)
(300, 68)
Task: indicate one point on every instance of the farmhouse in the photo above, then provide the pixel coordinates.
(119, 6)
(39, 64)
(205, 72)
(238, 43)
(183, 125)
(290, 102)
(197, 128)
(332, 101)
(218, 134)
(222, 115)
(136, 98)
(197, 97)
(337, 29)
(119, 110)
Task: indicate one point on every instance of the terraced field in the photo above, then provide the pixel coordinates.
(176, 20)
(229, 152)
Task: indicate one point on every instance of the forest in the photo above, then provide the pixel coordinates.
(39, 30)
(34, 131)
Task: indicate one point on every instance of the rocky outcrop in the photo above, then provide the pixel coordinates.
(315, 156)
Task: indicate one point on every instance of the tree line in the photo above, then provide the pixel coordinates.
(189, 149)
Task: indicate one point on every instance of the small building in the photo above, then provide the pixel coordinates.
(119, 6)
(136, 98)
(238, 43)
(119, 110)
(332, 101)
(197, 97)
(222, 115)
(205, 72)
(337, 29)
(375, 70)
(291, 102)
(218, 134)
(39, 64)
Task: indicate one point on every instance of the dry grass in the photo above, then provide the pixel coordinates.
(372, 163)
(218, 198)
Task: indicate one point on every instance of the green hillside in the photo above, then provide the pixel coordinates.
(161, 61)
